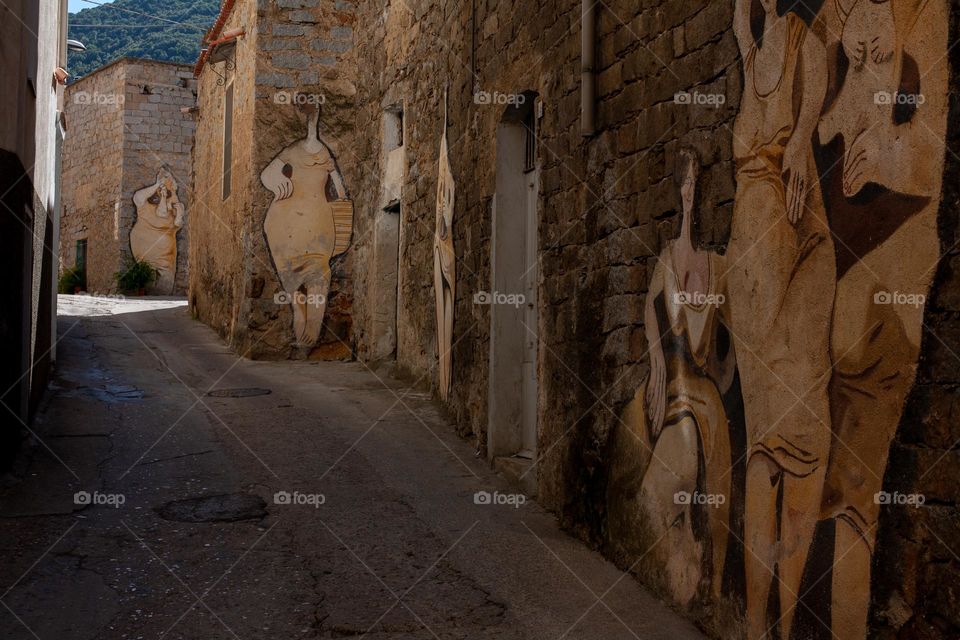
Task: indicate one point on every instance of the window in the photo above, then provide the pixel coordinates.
(227, 140)
(530, 142)
(81, 261)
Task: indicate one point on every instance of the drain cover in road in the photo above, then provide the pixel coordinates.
(246, 392)
(228, 507)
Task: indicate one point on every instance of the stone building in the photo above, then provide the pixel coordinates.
(273, 80)
(132, 116)
(33, 54)
(703, 304)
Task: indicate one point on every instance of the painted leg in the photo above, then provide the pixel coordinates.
(851, 580)
(718, 483)
(447, 344)
(801, 510)
(299, 320)
(315, 307)
(760, 528)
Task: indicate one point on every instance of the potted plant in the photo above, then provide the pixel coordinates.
(136, 276)
(72, 280)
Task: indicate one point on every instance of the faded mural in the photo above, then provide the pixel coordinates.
(153, 237)
(750, 462)
(444, 262)
(308, 223)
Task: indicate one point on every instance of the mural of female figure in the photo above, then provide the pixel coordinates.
(681, 417)
(781, 282)
(444, 263)
(885, 129)
(153, 237)
(300, 225)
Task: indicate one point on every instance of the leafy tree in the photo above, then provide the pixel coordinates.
(168, 30)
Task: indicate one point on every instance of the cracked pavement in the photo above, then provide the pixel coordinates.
(339, 504)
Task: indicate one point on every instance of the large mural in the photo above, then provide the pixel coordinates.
(308, 223)
(779, 371)
(444, 262)
(153, 238)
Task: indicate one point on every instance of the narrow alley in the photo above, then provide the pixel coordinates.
(174, 490)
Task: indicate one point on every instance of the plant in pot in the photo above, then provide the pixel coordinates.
(72, 280)
(136, 277)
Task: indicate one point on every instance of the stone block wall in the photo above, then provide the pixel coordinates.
(609, 205)
(219, 227)
(125, 122)
(157, 133)
(92, 173)
(291, 48)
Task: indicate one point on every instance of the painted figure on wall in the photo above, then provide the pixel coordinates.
(689, 418)
(839, 150)
(444, 263)
(883, 136)
(153, 237)
(781, 279)
(309, 222)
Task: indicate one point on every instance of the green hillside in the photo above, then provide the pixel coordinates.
(159, 29)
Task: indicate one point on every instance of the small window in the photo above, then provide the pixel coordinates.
(81, 261)
(227, 140)
(530, 142)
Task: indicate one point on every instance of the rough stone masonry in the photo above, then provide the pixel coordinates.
(677, 84)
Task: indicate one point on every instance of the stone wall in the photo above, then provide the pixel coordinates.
(125, 123)
(609, 205)
(291, 48)
(157, 133)
(92, 174)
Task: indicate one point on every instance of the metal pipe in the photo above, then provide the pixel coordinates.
(588, 77)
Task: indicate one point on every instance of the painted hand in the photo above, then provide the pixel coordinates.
(656, 391)
(855, 164)
(796, 180)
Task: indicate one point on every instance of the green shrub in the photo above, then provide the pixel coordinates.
(138, 274)
(71, 279)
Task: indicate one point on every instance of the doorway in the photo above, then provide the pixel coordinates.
(386, 238)
(514, 318)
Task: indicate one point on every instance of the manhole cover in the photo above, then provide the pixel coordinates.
(228, 507)
(239, 393)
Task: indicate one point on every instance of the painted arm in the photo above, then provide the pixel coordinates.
(797, 160)
(741, 26)
(276, 178)
(141, 196)
(656, 398)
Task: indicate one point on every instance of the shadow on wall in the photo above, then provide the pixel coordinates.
(749, 467)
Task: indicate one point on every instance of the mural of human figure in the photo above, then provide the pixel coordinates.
(684, 416)
(153, 237)
(301, 225)
(781, 279)
(444, 263)
(884, 133)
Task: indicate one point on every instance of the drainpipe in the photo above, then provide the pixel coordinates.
(588, 78)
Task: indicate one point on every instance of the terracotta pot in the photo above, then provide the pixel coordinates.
(77, 290)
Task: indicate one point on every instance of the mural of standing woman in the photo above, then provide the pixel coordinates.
(883, 157)
(309, 222)
(153, 237)
(781, 280)
(444, 262)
